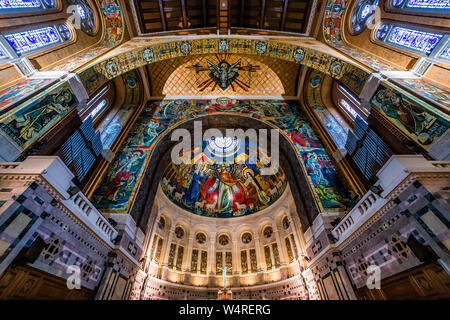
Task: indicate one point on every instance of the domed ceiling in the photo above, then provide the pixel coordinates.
(223, 187)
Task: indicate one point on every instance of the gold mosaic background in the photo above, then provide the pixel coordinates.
(274, 78)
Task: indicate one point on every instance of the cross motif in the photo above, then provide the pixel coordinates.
(225, 269)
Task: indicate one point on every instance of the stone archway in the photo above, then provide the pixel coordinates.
(140, 52)
(308, 168)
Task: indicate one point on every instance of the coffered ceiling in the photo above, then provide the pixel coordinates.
(176, 15)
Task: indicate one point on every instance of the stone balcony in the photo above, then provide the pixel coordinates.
(52, 174)
(398, 172)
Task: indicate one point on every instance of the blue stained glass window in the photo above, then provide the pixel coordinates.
(98, 108)
(3, 55)
(428, 4)
(422, 5)
(445, 54)
(413, 39)
(348, 107)
(64, 32)
(362, 15)
(20, 4)
(31, 40)
(25, 5)
(382, 32)
(81, 12)
(397, 3)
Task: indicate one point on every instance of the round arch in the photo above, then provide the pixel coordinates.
(140, 52)
(140, 199)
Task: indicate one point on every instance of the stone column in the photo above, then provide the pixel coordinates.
(188, 257)
(281, 249)
(259, 260)
(148, 254)
(235, 266)
(165, 260)
(211, 267)
(300, 245)
(187, 261)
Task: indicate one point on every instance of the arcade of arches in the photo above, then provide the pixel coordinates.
(217, 149)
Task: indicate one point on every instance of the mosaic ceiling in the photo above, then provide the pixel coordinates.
(223, 74)
(224, 180)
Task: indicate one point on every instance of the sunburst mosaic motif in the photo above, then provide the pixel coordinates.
(224, 73)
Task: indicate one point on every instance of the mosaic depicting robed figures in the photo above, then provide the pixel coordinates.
(417, 123)
(117, 191)
(29, 123)
(229, 188)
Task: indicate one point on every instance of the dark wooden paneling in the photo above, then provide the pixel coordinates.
(428, 281)
(27, 283)
(174, 15)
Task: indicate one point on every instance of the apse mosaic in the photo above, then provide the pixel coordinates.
(118, 189)
(217, 75)
(410, 116)
(231, 187)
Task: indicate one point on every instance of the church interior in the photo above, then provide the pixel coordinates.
(345, 194)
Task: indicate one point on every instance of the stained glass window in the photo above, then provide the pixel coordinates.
(81, 12)
(422, 4)
(98, 108)
(445, 54)
(382, 32)
(84, 14)
(3, 54)
(362, 15)
(25, 5)
(408, 39)
(428, 4)
(414, 39)
(64, 32)
(19, 4)
(348, 108)
(32, 40)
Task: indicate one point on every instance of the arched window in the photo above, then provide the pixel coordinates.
(99, 107)
(14, 6)
(84, 16)
(362, 14)
(29, 41)
(414, 40)
(348, 104)
(347, 107)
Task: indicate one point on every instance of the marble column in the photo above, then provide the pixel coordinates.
(259, 260)
(188, 258)
(211, 268)
(165, 262)
(281, 249)
(187, 261)
(235, 265)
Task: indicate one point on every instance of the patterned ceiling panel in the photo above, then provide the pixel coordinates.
(212, 75)
(176, 15)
